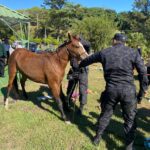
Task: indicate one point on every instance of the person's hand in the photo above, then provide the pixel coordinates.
(140, 96)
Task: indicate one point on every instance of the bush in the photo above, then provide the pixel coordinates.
(137, 39)
(98, 30)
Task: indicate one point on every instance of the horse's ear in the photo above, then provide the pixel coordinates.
(69, 36)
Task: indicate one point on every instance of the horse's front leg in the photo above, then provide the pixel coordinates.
(56, 94)
(64, 100)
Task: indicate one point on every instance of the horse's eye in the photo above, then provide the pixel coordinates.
(76, 46)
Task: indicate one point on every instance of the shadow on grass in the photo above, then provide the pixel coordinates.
(113, 133)
(115, 129)
(83, 123)
(143, 125)
(4, 90)
(33, 97)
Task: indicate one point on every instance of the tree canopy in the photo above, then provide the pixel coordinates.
(56, 17)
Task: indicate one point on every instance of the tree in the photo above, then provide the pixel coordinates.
(143, 6)
(55, 4)
(137, 39)
(123, 21)
(39, 17)
(98, 30)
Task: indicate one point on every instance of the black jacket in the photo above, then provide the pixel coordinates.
(118, 63)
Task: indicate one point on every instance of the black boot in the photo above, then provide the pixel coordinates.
(97, 139)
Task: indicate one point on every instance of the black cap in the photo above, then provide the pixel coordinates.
(120, 37)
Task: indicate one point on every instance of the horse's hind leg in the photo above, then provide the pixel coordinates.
(12, 75)
(22, 81)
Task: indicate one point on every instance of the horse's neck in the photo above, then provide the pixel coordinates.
(63, 56)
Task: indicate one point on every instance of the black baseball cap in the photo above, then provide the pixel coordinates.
(120, 37)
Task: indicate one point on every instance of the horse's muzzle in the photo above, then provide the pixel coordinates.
(83, 56)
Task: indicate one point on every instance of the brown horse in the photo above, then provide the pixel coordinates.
(47, 68)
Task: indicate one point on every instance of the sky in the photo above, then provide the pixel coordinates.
(117, 5)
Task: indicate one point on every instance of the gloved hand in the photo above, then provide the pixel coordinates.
(140, 95)
(139, 98)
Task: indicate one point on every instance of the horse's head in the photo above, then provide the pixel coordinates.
(75, 48)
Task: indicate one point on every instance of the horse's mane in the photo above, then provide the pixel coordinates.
(64, 44)
(57, 49)
(61, 46)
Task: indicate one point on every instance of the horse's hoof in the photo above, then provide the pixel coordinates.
(68, 122)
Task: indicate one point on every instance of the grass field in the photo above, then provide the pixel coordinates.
(36, 124)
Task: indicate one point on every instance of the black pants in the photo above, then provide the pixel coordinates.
(148, 72)
(83, 86)
(2, 66)
(127, 98)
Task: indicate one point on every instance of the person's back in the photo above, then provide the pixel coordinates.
(118, 64)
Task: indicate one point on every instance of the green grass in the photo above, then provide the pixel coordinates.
(36, 125)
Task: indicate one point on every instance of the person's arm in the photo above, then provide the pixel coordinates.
(142, 74)
(91, 59)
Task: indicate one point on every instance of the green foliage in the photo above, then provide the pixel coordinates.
(12, 39)
(4, 30)
(37, 40)
(51, 40)
(60, 20)
(143, 6)
(48, 40)
(146, 30)
(98, 30)
(137, 39)
(54, 4)
(97, 25)
(98, 12)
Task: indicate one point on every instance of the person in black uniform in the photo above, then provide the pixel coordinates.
(118, 64)
(3, 56)
(79, 75)
(147, 65)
